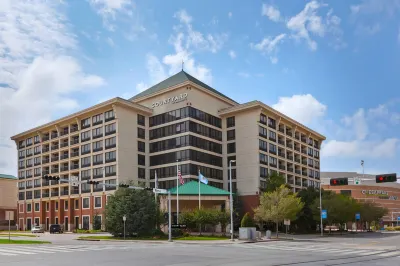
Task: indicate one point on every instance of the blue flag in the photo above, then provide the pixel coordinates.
(203, 179)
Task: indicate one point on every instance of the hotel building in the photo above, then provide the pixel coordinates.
(181, 121)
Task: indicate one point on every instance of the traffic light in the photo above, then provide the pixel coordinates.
(148, 188)
(49, 177)
(386, 178)
(123, 185)
(339, 181)
(93, 182)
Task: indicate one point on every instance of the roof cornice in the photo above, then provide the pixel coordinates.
(116, 101)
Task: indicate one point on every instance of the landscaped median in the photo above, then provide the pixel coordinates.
(13, 241)
(161, 239)
(17, 234)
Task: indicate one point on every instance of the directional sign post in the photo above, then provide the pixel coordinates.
(358, 216)
(178, 226)
(324, 214)
(398, 219)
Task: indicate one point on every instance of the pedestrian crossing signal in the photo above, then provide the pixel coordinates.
(386, 178)
(339, 181)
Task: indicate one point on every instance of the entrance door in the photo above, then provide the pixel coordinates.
(37, 221)
(28, 224)
(56, 220)
(47, 223)
(66, 222)
(85, 221)
(76, 222)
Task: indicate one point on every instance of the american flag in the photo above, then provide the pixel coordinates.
(180, 177)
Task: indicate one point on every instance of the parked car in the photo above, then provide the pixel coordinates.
(37, 229)
(56, 228)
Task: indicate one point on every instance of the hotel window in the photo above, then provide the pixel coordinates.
(77, 204)
(263, 119)
(21, 185)
(29, 152)
(85, 174)
(141, 133)
(37, 149)
(36, 139)
(85, 162)
(230, 134)
(21, 164)
(263, 145)
(263, 158)
(264, 172)
(110, 142)
(66, 205)
(97, 202)
(21, 174)
(109, 115)
(141, 173)
(85, 203)
(230, 122)
(28, 207)
(21, 144)
(231, 147)
(110, 170)
(97, 146)
(56, 206)
(98, 172)
(316, 153)
(310, 162)
(310, 151)
(272, 161)
(141, 146)
(110, 156)
(21, 154)
(36, 160)
(272, 135)
(262, 131)
(85, 149)
(97, 132)
(85, 135)
(110, 129)
(37, 171)
(97, 119)
(272, 148)
(141, 160)
(112, 184)
(141, 120)
(271, 122)
(28, 141)
(37, 206)
(85, 123)
(97, 159)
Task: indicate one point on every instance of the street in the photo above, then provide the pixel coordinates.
(137, 253)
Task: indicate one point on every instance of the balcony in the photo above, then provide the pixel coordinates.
(85, 152)
(272, 151)
(54, 147)
(316, 156)
(21, 146)
(304, 151)
(37, 185)
(74, 166)
(46, 160)
(281, 154)
(45, 194)
(97, 123)
(45, 183)
(290, 169)
(97, 176)
(85, 177)
(109, 118)
(29, 176)
(74, 129)
(54, 193)
(37, 196)
(54, 159)
(281, 129)
(21, 157)
(64, 144)
(310, 164)
(54, 135)
(28, 165)
(45, 138)
(304, 173)
(83, 126)
(289, 157)
(289, 145)
(45, 149)
(282, 142)
(282, 167)
(64, 192)
(97, 188)
(114, 173)
(64, 156)
(316, 166)
(29, 154)
(28, 196)
(46, 172)
(86, 190)
(304, 140)
(110, 132)
(304, 162)
(74, 191)
(97, 136)
(298, 183)
(55, 182)
(289, 133)
(111, 160)
(64, 132)
(108, 188)
(74, 141)
(297, 171)
(37, 174)
(74, 154)
(97, 149)
(98, 162)
(36, 141)
(54, 170)
(85, 139)
(21, 167)
(85, 165)
(21, 188)
(28, 186)
(63, 168)
(271, 124)
(273, 165)
(37, 152)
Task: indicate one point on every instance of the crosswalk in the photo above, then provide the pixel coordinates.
(21, 250)
(312, 248)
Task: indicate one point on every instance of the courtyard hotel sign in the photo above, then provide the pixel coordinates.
(178, 98)
(380, 193)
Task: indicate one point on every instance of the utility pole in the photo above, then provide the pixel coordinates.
(320, 207)
(230, 196)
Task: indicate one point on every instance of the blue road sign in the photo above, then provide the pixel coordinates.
(324, 214)
(358, 216)
(398, 218)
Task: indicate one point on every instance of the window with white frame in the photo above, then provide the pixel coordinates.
(85, 203)
(37, 206)
(97, 202)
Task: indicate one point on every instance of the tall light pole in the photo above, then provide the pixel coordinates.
(320, 207)
(230, 194)
(362, 164)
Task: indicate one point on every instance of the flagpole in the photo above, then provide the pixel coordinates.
(199, 192)
(177, 192)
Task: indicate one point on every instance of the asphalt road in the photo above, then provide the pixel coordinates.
(181, 254)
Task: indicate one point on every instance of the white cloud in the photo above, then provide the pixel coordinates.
(109, 10)
(308, 22)
(141, 87)
(183, 16)
(271, 12)
(303, 108)
(110, 42)
(155, 69)
(36, 69)
(269, 46)
(368, 30)
(360, 149)
(230, 14)
(244, 74)
(232, 54)
(375, 6)
(358, 124)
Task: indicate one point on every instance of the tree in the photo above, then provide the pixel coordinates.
(305, 220)
(278, 205)
(223, 218)
(371, 212)
(247, 221)
(96, 220)
(274, 181)
(139, 208)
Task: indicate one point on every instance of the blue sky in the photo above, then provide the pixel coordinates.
(332, 65)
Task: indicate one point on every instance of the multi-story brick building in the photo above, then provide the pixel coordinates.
(180, 120)
(8, 198)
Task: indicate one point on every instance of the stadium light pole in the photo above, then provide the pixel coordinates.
(230, 196)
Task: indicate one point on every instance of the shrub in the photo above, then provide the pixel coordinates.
(247, 221)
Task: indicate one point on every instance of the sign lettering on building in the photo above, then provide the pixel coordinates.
(380, 193)
(179, 98)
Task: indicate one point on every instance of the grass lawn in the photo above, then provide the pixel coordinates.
(119, 238)
(202, 238)
(5, 241)
(16, 234)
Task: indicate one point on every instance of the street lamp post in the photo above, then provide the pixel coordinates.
(124, 219)
(320, 207)
(230, 194)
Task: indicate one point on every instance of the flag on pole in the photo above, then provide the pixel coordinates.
(181, 181)
(203, 179)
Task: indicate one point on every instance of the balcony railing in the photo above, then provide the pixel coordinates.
(304, 173)
(97, 136)
(97, 189)
(37, 174)
(74, 166)
(282, 142)
(45, 194)
(273, 165)
(85, 139)
(64, 192)
(316, 166)
(97, 149)
(85, 177)
(36, 152)
(110, 188)
(109, 118)
(21, 157)
(85, 165)
(28, 196)
(304, 140)
(29, 154)
(54, 147)
(21, 167)
(83, 126)
(281, 154)
(74, 141)
(37, 185)
(54, 193)
(282, 167)
(64, 144)
(290, 169)
(75, 191)
(74, 129)
(272, 151)
(298, 184)
(110, 160)
(46, 160)
(29, 176)
(110, 132)
(304, 162)
(37, 196)
(289, 133)
(64, 156)
(45, 183)
(297, 171)
(28, 186)
(85, 152)
(54, 159)
(304, 151)
(55, 182)
(281, 130)
(45, 138)
(97, 176)
(21, 188)
(64, 168)
(28, 165)
(45, 149)
(289, 145)
(289, 157)
(54, 170)
(74, 154)
(64, 132)
(111, 174)
(98, 162)
(86, 190)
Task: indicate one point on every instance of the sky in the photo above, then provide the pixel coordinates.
(332, 65)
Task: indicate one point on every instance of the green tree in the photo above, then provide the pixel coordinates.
(247, 221)
(223, 218)
(139, 208)
(274, 181)
(96, 220)
(278, 205)
(305, 220)
(371, 212)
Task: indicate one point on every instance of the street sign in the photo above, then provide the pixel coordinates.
(286, 222)
(398, 218)
(75, 181)
(9, 216)
(159, 190)
(357, 181)
(178, 226)
(124, 218)
(324, 214)
(358, 216)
